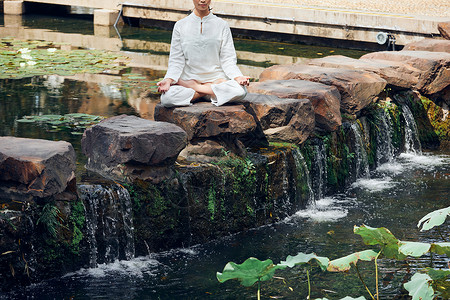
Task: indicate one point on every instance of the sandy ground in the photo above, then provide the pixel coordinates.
(432, 8)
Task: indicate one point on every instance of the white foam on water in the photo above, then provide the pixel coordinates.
(424, 160)
(375, 184)
(136, 267)
(324, 210)
(391, 167)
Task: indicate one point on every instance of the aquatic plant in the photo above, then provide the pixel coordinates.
(422, 285)
(76, 123)
(20, 59)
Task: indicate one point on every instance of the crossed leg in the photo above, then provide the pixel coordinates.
(201, 89)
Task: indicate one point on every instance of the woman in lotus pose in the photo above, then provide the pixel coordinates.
(202, 61)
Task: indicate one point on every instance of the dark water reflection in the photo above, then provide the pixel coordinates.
(396, 197)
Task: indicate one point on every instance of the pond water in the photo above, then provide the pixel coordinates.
(396, 195)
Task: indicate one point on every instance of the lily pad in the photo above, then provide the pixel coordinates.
(249, 272)
(22, 59)
(434, 218)
(302, 258)
(383, 237)
(415, 249)
(343, 264)
(419, 287)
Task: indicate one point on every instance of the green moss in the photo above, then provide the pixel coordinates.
(77, 219)
(211, 197)
(437, 118)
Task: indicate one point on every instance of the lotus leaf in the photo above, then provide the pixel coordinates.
(414, 249)
(441, 248)
(30, 58)
(434, 218)
(419, 287)
(380, 236)
(302, 258)
(249, 272)
(343, 264)
(438, 274)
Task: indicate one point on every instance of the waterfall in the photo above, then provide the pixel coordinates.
(319, 171)
(412, 142)
(384, 149)
(109, 223)
(302, 172)
(361, 160)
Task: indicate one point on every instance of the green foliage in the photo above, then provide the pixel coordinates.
(419, 287)
(302, 258)
(51, 219)
(434, 218)
(76, 123)
(383, 237)
(250, 271)
(20, 59)
(77, 219)
(343, 264)
(415, 249)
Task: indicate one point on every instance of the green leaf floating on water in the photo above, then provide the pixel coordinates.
(76, 122)
(249, 272)
(419, 287)
(380, 236)
(302, 258)
(20, 59)
(434, 218)
(343, 264)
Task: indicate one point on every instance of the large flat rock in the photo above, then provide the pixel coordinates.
(325, 100)
(358, 88)
(396, 73)
(434, 79)
(133, 140)
(34, 167)
(206, 121)
(433, 45)
(283, 120)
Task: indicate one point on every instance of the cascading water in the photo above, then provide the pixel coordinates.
(302, 172)
(384, 149)
(109, 223)
(412, 143)
(319, 171)
(361, 160)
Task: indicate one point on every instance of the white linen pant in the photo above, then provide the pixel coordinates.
(224, 92)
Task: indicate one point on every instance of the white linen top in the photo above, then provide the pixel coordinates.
(202, 49)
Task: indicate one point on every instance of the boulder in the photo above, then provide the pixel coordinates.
(231, 124)
(133, 146)
(397, 74)
(444, 29)
(283, 120)
(358, 88)
(433, 45)
(34, 168)
(434, 79)
(324, 99)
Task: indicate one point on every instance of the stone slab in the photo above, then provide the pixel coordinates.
(283, 120)
(35, 167)
(358, 88)
(325, 99)
(132, 140)
(396, 73)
